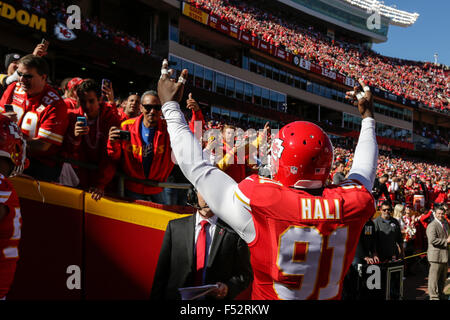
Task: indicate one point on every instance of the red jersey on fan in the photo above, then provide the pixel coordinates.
(71, 103)
(331, 223)
(9, 235)
(91, 148)
(43, 116)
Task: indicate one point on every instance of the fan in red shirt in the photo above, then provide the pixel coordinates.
(440, 194)
(12, 161)
(147, 154)
(41, 114)
(302, 234)
(86, 142)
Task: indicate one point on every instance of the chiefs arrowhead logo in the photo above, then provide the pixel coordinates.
(277, 148)
(63, 33)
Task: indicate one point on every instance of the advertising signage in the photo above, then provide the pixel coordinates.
(22, 17)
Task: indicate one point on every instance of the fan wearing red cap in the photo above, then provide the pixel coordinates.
(302, 235)
(12, 161)
(71, 98)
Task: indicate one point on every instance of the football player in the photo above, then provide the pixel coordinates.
(12, 161)
(302, 234)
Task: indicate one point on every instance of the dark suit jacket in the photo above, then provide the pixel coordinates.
(228, 262)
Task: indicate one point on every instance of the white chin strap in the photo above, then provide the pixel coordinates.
(308, 184)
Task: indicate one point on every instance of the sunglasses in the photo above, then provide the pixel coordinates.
(149, 107)
(24, 75)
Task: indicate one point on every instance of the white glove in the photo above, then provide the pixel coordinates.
(12, 78)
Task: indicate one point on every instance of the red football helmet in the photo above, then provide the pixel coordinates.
(301, 155)
(12, 144)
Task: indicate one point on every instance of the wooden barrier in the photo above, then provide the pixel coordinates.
(114, 243)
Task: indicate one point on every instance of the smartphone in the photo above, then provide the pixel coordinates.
(106, 83)
(9, 108)
(125, 135)
(82, 119)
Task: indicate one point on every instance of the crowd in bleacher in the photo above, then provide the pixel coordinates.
(420, 81)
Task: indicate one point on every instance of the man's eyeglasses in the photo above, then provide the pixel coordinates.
(149, 107)
(24, 75)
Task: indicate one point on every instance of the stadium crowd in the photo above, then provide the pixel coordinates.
(95, 142)
(423, 82)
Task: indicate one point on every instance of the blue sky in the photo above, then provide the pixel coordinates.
(429, 35)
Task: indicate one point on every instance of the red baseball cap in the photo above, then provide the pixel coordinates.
(74, 82)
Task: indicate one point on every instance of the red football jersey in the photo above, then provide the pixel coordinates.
(43, 116)
(9, 235)
(304, 244)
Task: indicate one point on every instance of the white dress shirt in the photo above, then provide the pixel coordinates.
(210, 229)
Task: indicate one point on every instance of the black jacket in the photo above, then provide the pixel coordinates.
(228, 262)
(379, 189)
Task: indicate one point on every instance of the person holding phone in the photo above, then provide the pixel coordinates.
(144, 152)
(12, 63)
(108, 92)
(87, 136)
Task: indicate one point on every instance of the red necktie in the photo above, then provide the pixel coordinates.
(201, 253)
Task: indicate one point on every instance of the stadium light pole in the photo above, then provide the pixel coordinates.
(435, 58)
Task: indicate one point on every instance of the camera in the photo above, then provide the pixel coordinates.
(9, 108)
(124, 135)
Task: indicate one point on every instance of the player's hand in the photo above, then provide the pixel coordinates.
(362, 98)
(168, 89)
(80, 129)
(11, 115)
(221, 292)
(192, 104)
(114, 134)
(97, 193)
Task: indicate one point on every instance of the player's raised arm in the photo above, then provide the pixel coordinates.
(216, 187)
(366, 152)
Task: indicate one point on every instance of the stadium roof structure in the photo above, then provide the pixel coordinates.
(397, 17)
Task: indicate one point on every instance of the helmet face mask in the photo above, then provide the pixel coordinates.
(301, 155)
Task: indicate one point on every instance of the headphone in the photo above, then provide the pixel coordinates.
(192, 199)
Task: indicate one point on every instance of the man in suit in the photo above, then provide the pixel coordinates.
(437, 254)
(224, 259)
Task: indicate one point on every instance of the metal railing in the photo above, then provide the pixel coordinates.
(122, 177)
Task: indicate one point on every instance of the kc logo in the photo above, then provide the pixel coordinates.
(277, 148)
